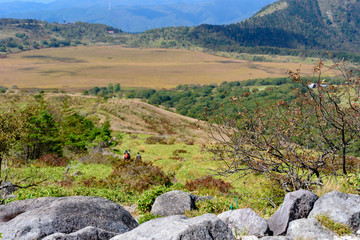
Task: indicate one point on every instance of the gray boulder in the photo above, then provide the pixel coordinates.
(249, 238)
(276, 238)
(308, 229)
(173, 203)
(88, 233)
(340, 207)
(296, 205)
(205, 227)
(41, 217)
(245, 221)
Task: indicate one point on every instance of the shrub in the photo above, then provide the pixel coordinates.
(339, 228)
(177, 151)
(208, 183)
(137, 177)
(147, 199)
(160, 140)
(52, 160)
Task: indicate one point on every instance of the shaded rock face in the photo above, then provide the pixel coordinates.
(205, 227)
(88, 233)
(340, 207)
(41, 217)
(245, 221)
(296, 205)
(308, 229)
(173, 203)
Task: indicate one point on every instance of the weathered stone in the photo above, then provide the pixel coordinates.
(173, 203)
(296, 205)
(41, 217)
(276, 238)
(249, 238)
(88, 233)
(347, 237)
(340, 207)
(308, 229)
(245, 221)
(179, 227)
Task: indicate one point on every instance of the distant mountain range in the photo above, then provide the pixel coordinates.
(136, 15)
(292, 24)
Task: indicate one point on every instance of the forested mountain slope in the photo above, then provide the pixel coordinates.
(298, 24)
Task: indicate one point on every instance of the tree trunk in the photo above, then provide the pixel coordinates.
(344, 160)
(1, 158)
(343, 151)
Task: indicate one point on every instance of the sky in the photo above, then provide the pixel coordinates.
(40, 1)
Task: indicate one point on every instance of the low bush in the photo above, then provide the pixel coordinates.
(52, 160)
(147, 199)
(208, 183)
(160, 140)
(137, 177)
(178, 151)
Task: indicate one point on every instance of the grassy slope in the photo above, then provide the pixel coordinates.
(142, 121)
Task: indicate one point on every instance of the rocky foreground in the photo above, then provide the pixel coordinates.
(93, 218)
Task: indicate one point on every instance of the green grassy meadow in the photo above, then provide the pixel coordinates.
(178, 153)
(169, 141)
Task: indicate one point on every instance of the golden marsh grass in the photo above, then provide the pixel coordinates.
(88, 66)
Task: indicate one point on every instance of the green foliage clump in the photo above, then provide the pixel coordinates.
(147, 199)
(80, 133)
(339, 228)
(55, 190)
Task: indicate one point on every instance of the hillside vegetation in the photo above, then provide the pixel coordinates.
(19, 35)
(287, 27)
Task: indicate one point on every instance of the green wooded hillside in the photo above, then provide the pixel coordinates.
(288, 27)
(18, 35)
(308, 24)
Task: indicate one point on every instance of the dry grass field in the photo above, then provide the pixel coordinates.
(88, 66)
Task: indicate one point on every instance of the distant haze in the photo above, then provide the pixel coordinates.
(39, 1)
(134, 15)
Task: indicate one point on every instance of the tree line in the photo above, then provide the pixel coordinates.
(34, 34)
(38, 128)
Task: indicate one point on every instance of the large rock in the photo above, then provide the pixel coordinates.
(205, 227)
(245, 221)
(296, 205)
(308, 229)
(173, 203)
(340, 207)
(276, 238)
(88, 233)
(41, 217)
